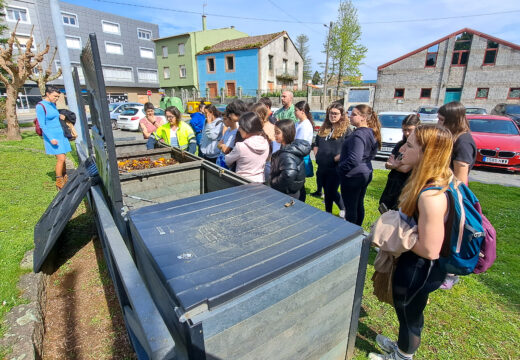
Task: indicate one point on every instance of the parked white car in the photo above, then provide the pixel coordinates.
(129, 119)
(428, 114)
(391, 130)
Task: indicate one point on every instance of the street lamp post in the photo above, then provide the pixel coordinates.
(326, 66)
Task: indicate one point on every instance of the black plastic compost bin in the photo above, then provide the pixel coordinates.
(249, 273)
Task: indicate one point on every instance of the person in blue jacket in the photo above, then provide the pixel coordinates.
(197, 122)
(355, 161)
(54, 140)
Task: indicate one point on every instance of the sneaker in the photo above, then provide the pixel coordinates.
(385, 343)
(449, 282)
(394, 355)
(375, 356)
(342, 215)
(316, 194)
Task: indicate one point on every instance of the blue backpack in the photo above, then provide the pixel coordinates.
(464, 231)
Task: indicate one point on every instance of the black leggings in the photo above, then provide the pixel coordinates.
(353, 190)
(329, 179)
(414, 279)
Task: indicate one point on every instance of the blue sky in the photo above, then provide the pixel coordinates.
(390, 28)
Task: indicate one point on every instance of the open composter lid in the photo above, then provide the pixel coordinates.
(53, 221)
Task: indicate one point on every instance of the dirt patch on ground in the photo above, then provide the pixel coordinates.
(83, 319)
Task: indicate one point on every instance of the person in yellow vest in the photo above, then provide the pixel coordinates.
(175, 132)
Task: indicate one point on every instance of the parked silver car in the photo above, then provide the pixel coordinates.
(428, 114)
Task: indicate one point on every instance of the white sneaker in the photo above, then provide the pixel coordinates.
(375, 356)
(385, 343)
(342, 214)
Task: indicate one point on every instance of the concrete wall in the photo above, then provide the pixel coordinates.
(276, 49)
(412, 75)
(245, 74)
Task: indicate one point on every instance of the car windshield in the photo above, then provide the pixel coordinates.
(318, 116)
(428, 110)
(513, 109)
(129, 112)
(392, 121)
(475, 111)
(111, 107)
(159, 112)
(505, 127)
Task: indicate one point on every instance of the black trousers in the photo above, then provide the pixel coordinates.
(319, 184)
(414, 279)
(329, 179)
(213, 160)
(353, 190)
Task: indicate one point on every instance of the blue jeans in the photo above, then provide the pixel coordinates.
(150, 144)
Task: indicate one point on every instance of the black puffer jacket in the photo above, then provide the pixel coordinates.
(288, 168)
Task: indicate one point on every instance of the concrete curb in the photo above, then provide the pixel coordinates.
(25, 323)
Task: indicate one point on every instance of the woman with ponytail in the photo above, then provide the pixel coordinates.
(428, 152)
(355, 162)
(250, 154)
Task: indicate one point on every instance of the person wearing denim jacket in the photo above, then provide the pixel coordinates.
(211, 134)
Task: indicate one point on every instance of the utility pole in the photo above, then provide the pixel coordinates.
(67, 74)
(326, 67)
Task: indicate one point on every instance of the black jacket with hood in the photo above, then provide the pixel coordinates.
(288, 168)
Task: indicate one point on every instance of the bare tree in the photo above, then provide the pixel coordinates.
(17, 68)
(43, 77)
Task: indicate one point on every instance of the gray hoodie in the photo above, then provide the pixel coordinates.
(211, 135)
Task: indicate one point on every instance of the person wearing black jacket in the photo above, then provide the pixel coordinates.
(398, 173)
(327, 148)
(287, 164)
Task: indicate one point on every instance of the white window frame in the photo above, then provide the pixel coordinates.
(111, 23)
(113, 43)
(145, 48)
(104, 66)
(74, 37)
(8, 6)
(183, 49)
(69, 14)
(185, 72)
(33, 47)
(147, 81)
(164, 47)
(81, 76)
(140, 38)
(169, 73)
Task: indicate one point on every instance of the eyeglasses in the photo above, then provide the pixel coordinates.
(170, 117)
(334, 113)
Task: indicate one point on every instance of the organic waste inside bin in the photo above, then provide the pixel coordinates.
(144, 163)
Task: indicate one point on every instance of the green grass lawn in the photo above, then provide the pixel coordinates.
(478, 319)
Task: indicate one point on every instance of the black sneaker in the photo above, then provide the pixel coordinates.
(316, 194)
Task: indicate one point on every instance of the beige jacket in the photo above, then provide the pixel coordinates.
(394, 236)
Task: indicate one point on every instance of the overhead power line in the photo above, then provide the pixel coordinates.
(306, 22)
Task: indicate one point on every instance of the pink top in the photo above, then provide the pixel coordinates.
(250, 156)
(149, 126)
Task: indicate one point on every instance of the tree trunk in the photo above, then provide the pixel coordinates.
(13, 130)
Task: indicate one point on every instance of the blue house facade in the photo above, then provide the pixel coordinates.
(229, 70)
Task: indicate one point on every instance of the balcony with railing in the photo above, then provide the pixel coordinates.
(284, 74)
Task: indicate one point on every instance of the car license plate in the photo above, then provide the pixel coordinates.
(387, 149)
(495, 160)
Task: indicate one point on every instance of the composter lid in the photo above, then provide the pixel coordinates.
(213, 247)
(53, 221)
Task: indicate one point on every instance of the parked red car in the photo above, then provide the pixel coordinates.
(498, 141)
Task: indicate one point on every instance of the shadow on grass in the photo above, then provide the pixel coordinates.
(365, 336)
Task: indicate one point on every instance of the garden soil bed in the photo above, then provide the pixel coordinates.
(83, 319)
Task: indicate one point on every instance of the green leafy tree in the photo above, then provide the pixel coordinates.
(316, 78)
(302, 44)
(345, 50)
